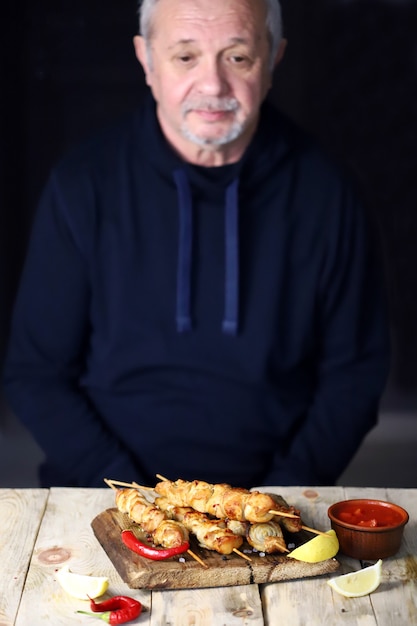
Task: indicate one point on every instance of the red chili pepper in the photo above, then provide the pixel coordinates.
(116, 610)
(156, 554)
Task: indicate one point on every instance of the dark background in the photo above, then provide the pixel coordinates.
(349, 77)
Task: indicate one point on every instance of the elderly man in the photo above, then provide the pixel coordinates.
(201, 296)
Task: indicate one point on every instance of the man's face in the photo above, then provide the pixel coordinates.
(208, 71)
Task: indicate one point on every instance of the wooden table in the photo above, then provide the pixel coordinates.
(41, 530)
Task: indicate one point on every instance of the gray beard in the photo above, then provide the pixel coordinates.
(233, 133)
(225, 104)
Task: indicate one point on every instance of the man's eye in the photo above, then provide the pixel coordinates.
(238, 59)
(185, 59)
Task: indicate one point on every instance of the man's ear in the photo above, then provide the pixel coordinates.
(280, 52)
(142, 56)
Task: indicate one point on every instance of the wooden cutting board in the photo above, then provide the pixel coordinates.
(222, 571)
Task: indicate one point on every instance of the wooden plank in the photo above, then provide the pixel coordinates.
(142, 573)
(404, 498)
(66, 538)
(21, 513)
(231, 606)
(307, 601)
(395, 601)
(310, 602)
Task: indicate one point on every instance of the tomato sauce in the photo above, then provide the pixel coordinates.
(371, 516)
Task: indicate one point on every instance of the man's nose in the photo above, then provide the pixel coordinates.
(213, 78)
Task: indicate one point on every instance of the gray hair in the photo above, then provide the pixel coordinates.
(273, 25)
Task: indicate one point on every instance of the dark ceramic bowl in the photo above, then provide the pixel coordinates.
(368, 529)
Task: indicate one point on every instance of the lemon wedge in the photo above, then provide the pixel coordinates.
(81, 586)
(320, 548)
(360, 583)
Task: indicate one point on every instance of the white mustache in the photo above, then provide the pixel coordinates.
(218, 104)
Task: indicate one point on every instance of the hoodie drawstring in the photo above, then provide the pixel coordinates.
(231, 285)
(185, 237)
(184, 268)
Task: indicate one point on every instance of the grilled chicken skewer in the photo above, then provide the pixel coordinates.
(211, 534)
(152, 520)
(169, 533)
(223, 501)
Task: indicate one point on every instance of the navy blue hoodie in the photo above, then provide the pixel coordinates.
(225, 324)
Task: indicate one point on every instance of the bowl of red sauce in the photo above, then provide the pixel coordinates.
(368, 529)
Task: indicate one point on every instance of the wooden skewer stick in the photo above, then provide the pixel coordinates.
(316, 532)
(142, 487)
(244, 556)
(110, 484)
(284, 514)
(166, 480)
(132, 485)
(197, 558)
